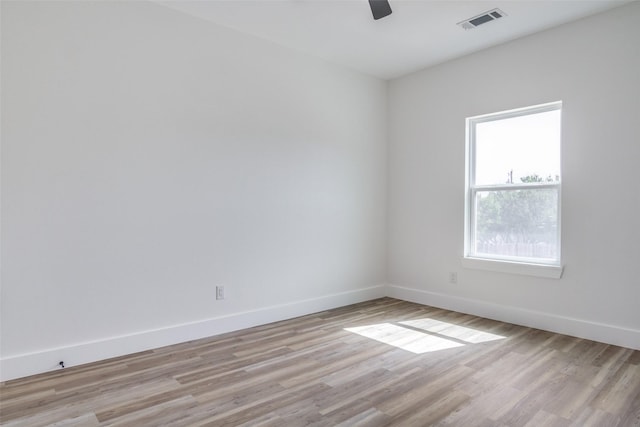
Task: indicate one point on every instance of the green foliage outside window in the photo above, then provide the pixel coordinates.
(519, 216)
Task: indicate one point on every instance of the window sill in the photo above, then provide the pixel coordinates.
(537, 270)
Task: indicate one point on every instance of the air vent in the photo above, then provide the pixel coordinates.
(483, 18)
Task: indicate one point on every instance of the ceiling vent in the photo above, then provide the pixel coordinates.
(483, 18)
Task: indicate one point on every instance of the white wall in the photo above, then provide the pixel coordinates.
(593, 66)
(148, 156)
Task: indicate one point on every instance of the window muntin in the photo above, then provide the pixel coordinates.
(513, 186)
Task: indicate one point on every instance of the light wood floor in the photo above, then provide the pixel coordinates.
(383, 362)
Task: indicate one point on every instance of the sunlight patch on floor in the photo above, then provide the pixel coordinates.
(407, 339)
(472, 336)
(432, 335)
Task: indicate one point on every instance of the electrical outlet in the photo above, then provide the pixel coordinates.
(219, 292)
(453, 277)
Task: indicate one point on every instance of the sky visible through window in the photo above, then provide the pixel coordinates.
(526, 145)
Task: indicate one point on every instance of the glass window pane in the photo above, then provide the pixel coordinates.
(517, 223)
(518, 149)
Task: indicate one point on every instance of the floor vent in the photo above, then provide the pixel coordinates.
(483, 18)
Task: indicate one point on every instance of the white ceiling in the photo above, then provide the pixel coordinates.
(418, 34)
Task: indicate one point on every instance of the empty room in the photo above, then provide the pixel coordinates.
(320, 213)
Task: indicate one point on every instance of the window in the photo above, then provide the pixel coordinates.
(513, 187)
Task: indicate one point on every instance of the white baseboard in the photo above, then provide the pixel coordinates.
(600, 332)
(23, 365)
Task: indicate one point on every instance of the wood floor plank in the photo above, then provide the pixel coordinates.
(335, 368)
(369, 418)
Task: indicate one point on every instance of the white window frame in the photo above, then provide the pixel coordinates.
(506, 264)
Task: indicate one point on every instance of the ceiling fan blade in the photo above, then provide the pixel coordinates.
(380, 8)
